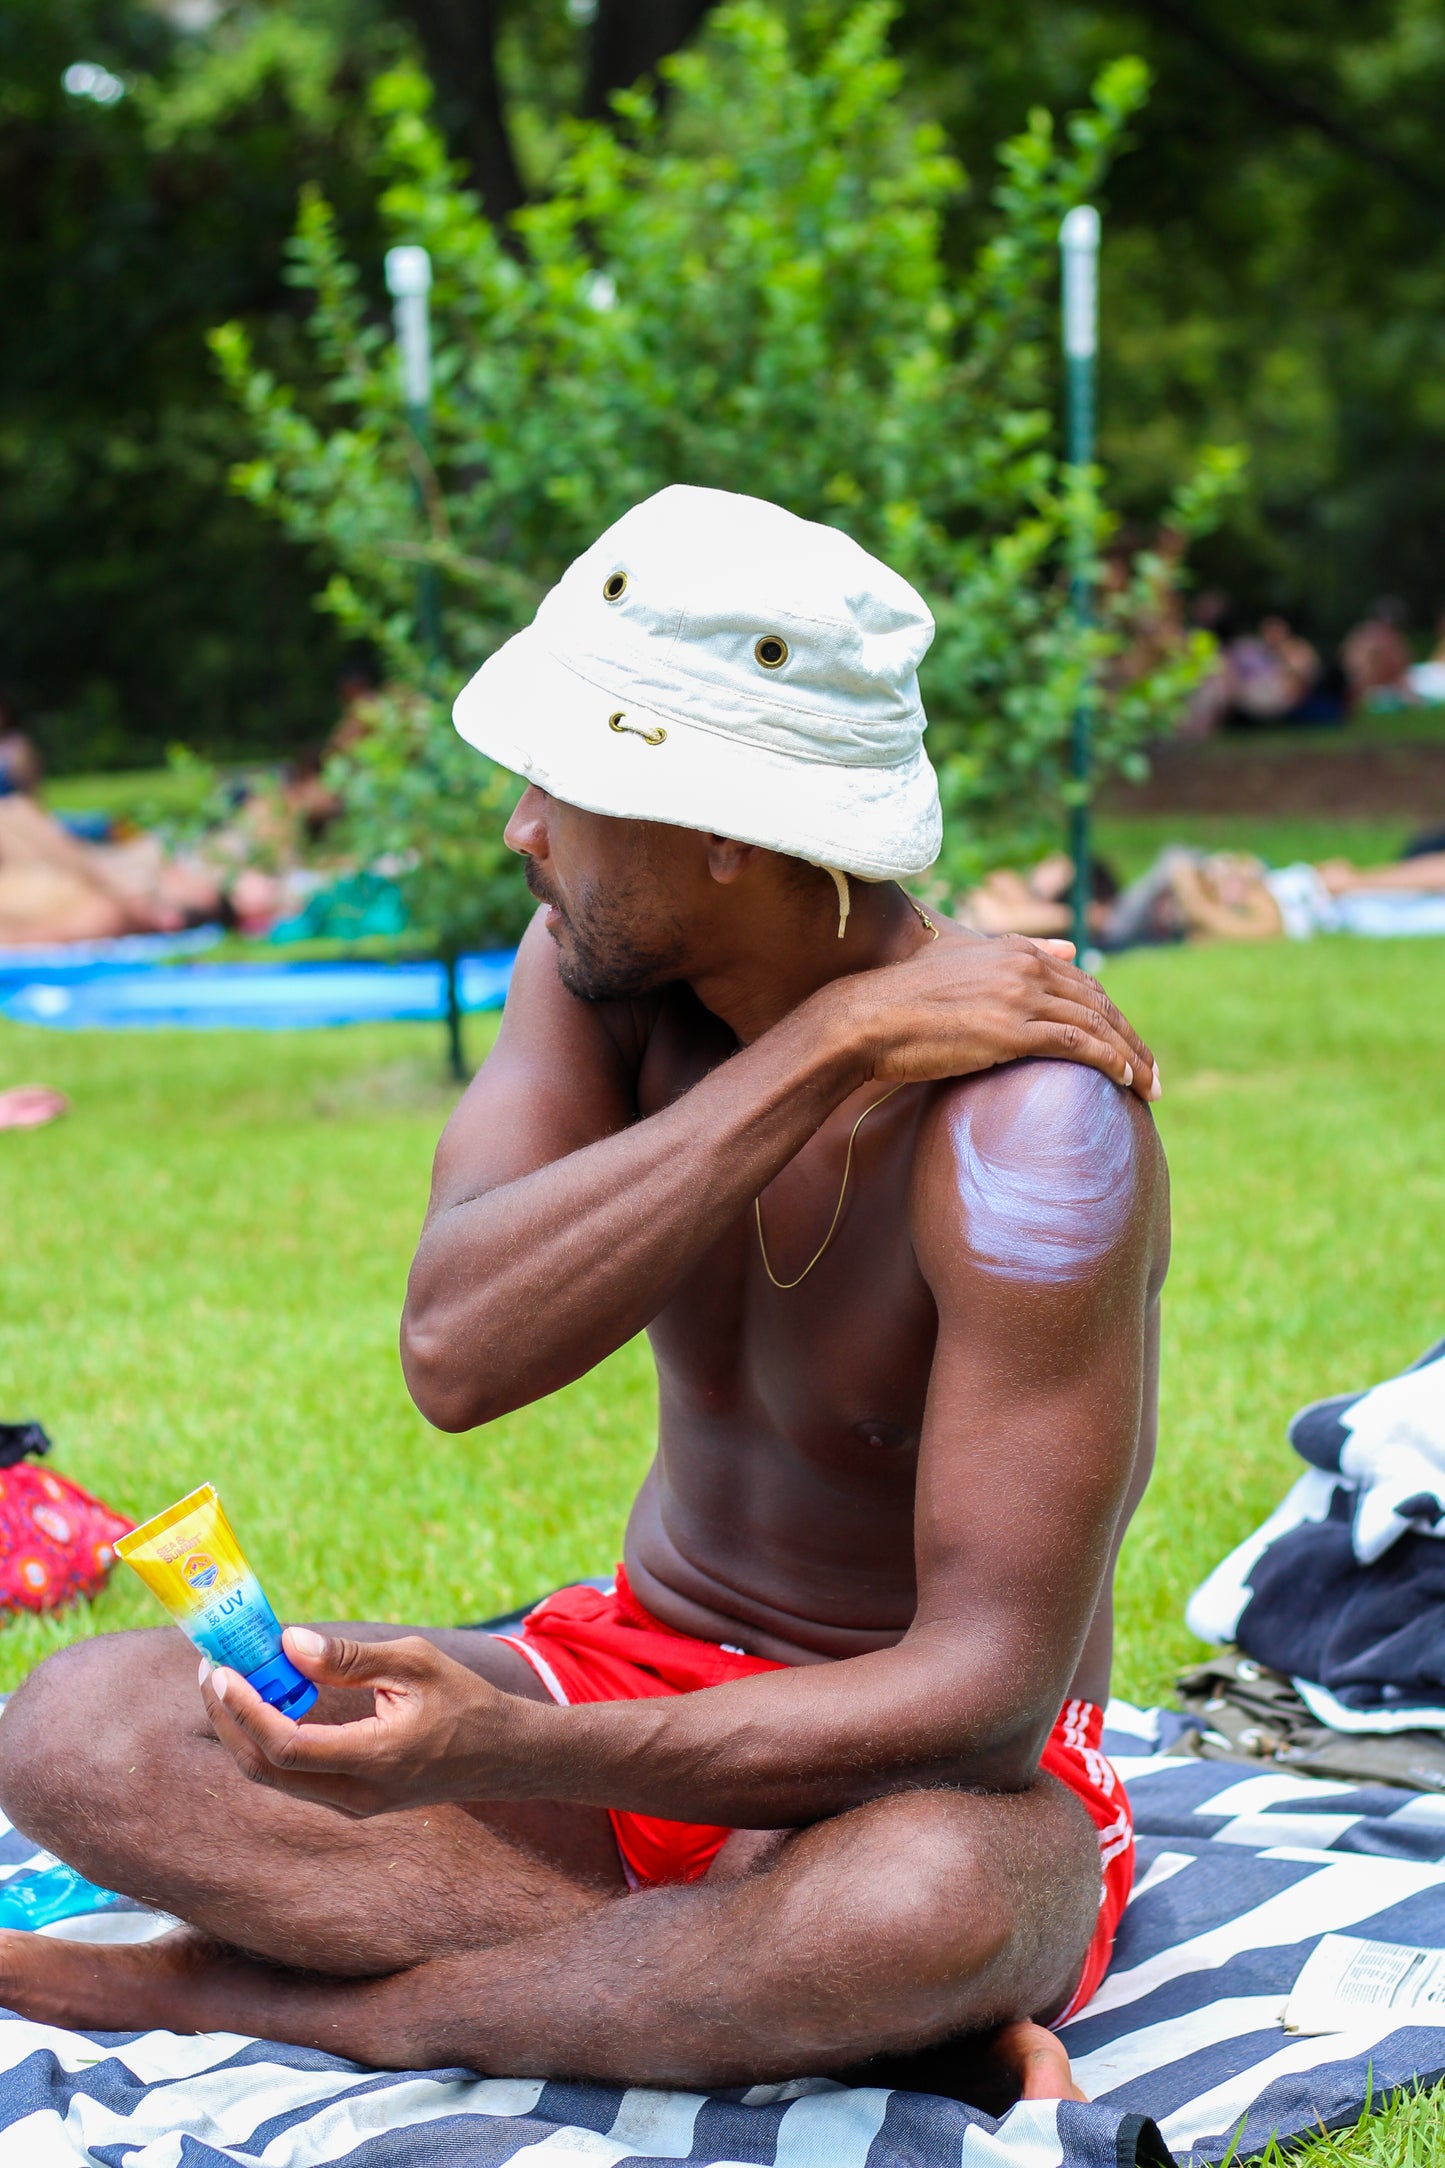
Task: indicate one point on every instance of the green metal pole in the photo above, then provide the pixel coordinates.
(428, 611)
(456, 1046)
(408, 281)
(1079, 249)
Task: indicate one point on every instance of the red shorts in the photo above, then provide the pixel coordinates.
(587, 1644)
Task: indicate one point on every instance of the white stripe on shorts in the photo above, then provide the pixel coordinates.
(539, 1664)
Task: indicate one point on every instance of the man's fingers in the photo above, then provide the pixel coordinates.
(333, 1660)
(222, 1692)
(341, 1794)
(1072, 983)
(1064, 1039)
(1076, 987)
(1095, 995)
(253, 1730)
(245, 1723)
(1071, 1031)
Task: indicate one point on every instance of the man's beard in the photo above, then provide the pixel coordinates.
(613, 949)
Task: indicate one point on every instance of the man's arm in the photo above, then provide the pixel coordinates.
(1038, 1221)
(560, 1223)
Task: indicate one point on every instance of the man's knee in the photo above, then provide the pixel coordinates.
(926, 1881)
(952, 1910)
(81, 1717)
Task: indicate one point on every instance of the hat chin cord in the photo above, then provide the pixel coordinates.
(840, 882)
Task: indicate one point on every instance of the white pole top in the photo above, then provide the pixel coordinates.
(408, 279)
(1079, 240)
(408, 271)
(1079, 230)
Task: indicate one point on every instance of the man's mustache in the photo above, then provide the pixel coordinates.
(539, 887)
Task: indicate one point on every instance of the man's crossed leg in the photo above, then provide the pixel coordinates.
(503, 1938)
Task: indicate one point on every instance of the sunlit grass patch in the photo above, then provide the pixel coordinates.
(204, 1264)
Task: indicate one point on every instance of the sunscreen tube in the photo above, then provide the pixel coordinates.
(188, 1557)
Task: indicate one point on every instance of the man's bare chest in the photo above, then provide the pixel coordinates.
(808, 1323)
(833, 1370)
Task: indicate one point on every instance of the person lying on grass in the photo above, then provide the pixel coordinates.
(818, 1779)
(1195, 895)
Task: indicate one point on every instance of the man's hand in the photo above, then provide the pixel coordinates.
(572, 1199)
(437, 1731)
(967, 1003)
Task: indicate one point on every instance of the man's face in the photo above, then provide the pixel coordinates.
(612, 890)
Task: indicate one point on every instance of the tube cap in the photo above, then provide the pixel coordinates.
(286, 1688)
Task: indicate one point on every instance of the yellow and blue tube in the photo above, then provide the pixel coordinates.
(188, 1556)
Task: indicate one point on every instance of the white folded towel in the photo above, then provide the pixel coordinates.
(1395, 1454)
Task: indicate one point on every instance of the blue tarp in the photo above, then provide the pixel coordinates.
(87, 959)
(249, 997)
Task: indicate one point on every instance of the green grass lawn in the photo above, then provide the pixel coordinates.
(217, 1245)
(204, 1264)
(1130, 842)
(148, 795)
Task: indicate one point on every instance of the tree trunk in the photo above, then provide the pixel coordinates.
(456, 1052)
(459, 40)
(628, 39)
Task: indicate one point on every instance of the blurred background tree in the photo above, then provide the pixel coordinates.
(138, 603)
(150, 157)
(745, 291)
(1273, 273)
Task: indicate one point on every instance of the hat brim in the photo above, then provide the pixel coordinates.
(528, 711)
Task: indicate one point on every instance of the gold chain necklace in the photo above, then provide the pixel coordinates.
(786, 1285)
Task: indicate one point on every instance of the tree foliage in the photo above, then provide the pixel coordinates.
(1273, 272)
(140, 602)
(1273, 267)
(748, 293)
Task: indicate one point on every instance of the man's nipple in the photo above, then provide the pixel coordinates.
(885, 1437)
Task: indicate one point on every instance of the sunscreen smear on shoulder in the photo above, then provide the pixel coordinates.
(190, 1559)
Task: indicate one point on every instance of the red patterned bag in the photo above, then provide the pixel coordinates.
(56, 1541)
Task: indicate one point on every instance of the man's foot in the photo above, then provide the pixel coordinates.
(117, 1987)
(1037, 2060)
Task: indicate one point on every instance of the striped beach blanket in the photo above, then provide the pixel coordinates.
(1182, 2051)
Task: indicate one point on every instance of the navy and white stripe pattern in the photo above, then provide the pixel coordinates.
(1240, 1873)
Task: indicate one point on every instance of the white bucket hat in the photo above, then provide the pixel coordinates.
(717, 663)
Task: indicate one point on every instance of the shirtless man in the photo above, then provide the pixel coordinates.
(818, 1780)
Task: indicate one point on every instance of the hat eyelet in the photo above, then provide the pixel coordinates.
(614, 587)
(771, 651)
(619, 723)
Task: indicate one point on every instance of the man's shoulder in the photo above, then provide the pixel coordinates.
(1040, 1169)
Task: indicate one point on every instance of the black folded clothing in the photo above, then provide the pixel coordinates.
(1318, 1432)
(1374, 1635)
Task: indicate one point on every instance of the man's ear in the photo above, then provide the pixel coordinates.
(728, 861)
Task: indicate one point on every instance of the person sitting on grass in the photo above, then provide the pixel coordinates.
(818, 1779)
